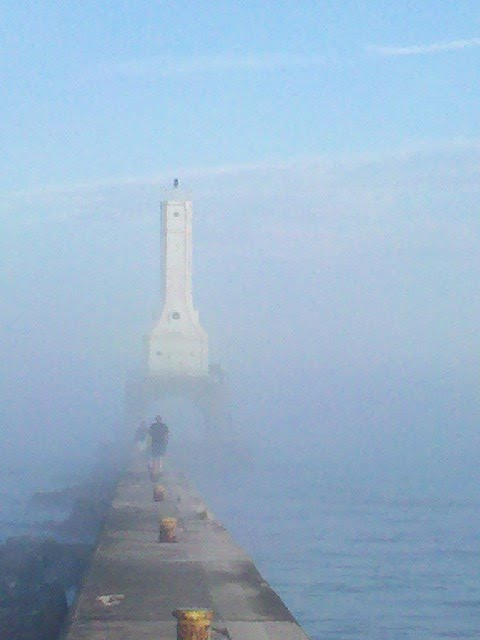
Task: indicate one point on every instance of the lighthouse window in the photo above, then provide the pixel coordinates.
(175, 315)
(176, 214)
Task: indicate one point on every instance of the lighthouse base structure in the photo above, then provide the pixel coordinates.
(209, 394)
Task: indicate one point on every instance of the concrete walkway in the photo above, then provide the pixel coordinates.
(148, 580)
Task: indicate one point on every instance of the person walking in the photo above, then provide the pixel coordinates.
(141, 436)
(159, 435)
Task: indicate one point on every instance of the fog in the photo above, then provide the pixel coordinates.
(343, 313)
(331, 151)
(332, 157)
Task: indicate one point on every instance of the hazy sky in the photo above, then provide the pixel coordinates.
(116, 90)
(332, 150)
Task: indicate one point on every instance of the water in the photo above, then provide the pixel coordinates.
(351, 560)
(355, 565)
(23, 473)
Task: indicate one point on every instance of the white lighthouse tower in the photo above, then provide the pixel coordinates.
(177, 363)
(178, 345)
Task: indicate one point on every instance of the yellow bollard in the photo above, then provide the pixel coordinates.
(193, 624)
(159, 493)
(168, 530)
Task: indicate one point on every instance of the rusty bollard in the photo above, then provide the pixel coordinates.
(193, 624)
(168, 530)
(159, 493)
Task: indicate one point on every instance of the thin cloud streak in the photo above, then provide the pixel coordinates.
(165, 66)
(425, 49)
(52, 193)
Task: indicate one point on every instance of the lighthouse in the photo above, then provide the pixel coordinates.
(178, 345)
(176, 362)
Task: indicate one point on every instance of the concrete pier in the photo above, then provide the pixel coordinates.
(135, 582)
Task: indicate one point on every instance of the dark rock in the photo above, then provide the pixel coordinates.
(49, 611)
(34, 576)
(84, 521)
(37, 573)
(38, 615)
(60, 498)
(30, 560)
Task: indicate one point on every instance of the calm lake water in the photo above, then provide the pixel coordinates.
(354, 565)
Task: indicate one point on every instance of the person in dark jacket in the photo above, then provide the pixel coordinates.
(159, 434)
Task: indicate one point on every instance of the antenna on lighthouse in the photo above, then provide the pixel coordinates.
(175, 183)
